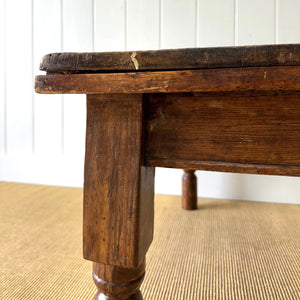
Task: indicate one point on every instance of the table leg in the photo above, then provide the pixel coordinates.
(117, 282)
(118, 195)
(189, 190)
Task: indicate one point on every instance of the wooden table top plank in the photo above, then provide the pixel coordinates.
(202, 80)
(172, 59)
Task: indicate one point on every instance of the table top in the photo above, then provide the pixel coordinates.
(172, 59)
(224, 105)
(223, 69)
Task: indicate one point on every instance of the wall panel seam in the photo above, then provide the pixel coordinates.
(62, 97)
(32, 78)
(276, 21)
(236, 22)
(196, 23)
(5, 82)
(159, 25)
(125, 25)
(93, 25)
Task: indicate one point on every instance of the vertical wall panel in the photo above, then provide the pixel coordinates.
(77, 37)
(77, 25)
(256, 22)
(288, 21)
(216, 21)
(53, 126)
(47, 108)
(142, 24)
(178, 23)
(19, 77)
(2, 79)
(110, 29)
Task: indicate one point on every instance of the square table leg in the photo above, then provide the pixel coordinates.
(118, 195)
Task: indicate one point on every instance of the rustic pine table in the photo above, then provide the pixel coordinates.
(233, 109)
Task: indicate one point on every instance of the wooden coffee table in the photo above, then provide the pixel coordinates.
(233, 109)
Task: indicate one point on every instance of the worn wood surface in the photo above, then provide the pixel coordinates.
(118, 283)
(233, 109)
(118, 189)
(178, 59)
(205, 80)
(189, 190)
(241, 133)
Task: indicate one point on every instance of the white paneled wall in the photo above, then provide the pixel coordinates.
(215, 23)
(18, 77)
(47, 110)
(110, 25)
(287, 21)
(143, 24)
(78, 35)
(2, 81)
(42, 136)
(256, 22)
(178, 23)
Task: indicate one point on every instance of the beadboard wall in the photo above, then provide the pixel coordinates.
(42, 136)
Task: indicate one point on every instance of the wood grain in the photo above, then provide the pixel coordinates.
(118, 189)
(223, 131)
(175, 59)
(205, 80)
(234, 109)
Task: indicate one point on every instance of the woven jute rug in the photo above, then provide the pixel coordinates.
(224, 250)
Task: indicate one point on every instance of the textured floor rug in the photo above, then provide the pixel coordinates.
(224, 250)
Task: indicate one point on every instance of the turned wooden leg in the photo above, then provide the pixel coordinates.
(117, 282)
(118, 195)
(189, 190)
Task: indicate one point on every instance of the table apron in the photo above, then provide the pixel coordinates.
(252, 133)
